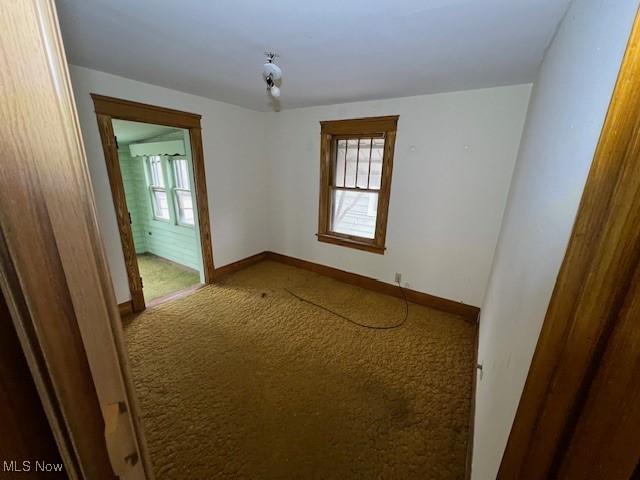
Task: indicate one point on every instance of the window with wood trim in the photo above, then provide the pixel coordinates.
(168, 176)
(356, 160)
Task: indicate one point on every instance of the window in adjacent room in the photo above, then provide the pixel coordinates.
(182, 192)
(157, 187)
(355, 181)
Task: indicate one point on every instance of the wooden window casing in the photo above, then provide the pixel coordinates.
(370, 129)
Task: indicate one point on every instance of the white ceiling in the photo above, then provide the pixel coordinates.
(331, 51)
(127, 132)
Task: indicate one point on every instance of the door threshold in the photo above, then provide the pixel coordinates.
(174, 296)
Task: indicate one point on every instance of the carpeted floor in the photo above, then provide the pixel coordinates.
(243, 380)
(162, 277)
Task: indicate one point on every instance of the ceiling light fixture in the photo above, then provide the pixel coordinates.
(272, 75)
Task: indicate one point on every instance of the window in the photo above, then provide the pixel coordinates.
(180, 209)
(182, 191)
(355, 181)
(158, 192)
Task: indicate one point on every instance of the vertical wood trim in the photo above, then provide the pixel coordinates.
(52, 267)
(611, 405)
(326, 151)
(107, 136)
(385, 188)
(125, 308)
(593, 282)
(202, 204)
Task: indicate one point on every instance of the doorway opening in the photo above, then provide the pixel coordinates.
(157, 174)
(156, 170)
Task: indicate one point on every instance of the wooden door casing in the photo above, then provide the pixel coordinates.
(565, 399)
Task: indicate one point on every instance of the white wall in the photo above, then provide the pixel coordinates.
(235, 166)
(568, 106)
(454, 159)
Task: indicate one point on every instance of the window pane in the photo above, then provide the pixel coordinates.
(363, 162)
(338, 173)
(377, 153)
(354, 213)
(181, 170)
(352, 153)
(160, 204)
(155, 169)
(185, 207)
(364, 155)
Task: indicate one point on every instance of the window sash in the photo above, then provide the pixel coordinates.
(160, 212)
(357, 162)
(352, 160)
(181, 173)
(156, 173)
(184, 213)
(354, 212)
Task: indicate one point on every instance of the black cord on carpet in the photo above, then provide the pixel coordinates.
(372, 327)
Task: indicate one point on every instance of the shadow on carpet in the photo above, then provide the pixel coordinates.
(243, 380)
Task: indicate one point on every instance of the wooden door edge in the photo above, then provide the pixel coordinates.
(547, 411)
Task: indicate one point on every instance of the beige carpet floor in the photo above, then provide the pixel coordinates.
(243, 380)
(162, 277)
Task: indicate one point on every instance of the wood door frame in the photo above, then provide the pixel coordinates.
(592, 293)
(53, 269)
(109, 108)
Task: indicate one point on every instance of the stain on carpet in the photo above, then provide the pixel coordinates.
(243, 380)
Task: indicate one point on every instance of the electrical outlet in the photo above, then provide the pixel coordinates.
(398, 277)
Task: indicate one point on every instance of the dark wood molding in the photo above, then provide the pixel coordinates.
(108, 108)
(239, 265)
(330, 133)
(125, 308)
(110, 149)
(360, 126)
(469, 312)
(202, 204)
(350, 242)
(142, 112)
(595, 292)
(606, 443)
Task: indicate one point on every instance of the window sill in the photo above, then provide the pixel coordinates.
(351, 243)
(190, 226)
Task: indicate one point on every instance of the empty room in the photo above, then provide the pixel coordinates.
(335, 240)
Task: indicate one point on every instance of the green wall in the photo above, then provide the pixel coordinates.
(165, 239)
